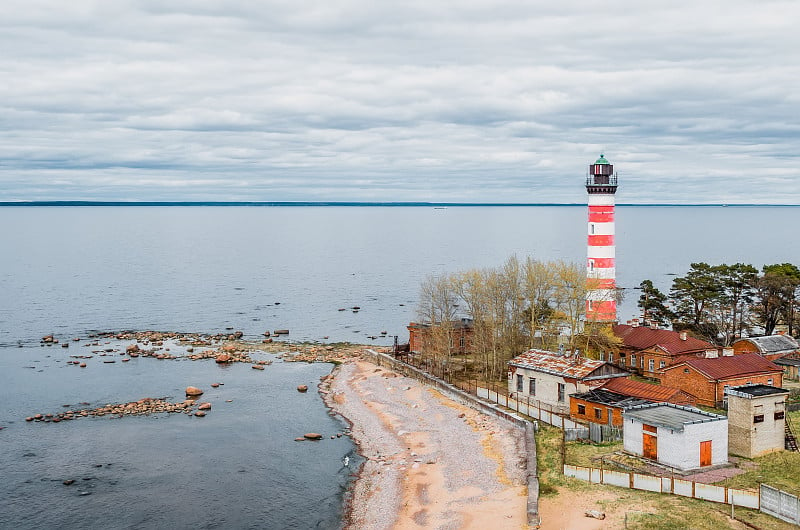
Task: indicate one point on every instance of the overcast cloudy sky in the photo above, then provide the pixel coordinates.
(475, 100)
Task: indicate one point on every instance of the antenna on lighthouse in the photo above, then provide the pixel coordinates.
(601, 297)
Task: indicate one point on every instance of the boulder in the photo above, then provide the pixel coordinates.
(312, 436)
(223, 358)
(257, 367)
(200, 414)
(214, 385)
(302, 388)
(193, 391)
(132, 348)
(204, 406)
(281, 332)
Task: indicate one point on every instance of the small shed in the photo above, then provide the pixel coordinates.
(790, 365)
(680, 437)
(756, 419)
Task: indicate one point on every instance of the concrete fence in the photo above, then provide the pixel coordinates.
(670, 485)
(780, 504)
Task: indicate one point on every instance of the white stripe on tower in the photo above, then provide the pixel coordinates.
(601, 305)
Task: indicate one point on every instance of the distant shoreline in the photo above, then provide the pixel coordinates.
(361, 203)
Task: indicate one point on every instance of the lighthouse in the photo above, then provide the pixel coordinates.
(601, 299)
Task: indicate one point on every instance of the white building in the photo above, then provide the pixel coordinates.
(680, 437)
(546, 379)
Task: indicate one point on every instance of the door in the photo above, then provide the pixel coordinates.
(705, 453)
(649, 446)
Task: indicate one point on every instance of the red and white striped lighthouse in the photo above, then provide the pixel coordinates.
(601, 298)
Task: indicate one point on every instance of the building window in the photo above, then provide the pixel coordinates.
(532, 386)
(581, 409)
(561, 392)
(598, 414)
(641, 362)
(779, 415)
(662, 364)
(686, 370)
(758, 418)
(633, 361)
(610, 357)
(463, 342)
(769, 382)
(602, 356)
(651, 365)
(520, 383)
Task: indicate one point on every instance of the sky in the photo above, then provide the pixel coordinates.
(357, 100)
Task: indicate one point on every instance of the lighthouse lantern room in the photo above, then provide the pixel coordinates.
(601, 300)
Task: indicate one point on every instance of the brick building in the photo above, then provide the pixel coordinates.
(601, 406)
(647, 351)
(459, 335)
(606, 404)
(707, 379)
(770, 346)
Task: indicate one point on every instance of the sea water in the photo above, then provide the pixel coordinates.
(73, 270)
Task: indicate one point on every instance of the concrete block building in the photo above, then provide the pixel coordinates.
(684, 438)
(756, 419)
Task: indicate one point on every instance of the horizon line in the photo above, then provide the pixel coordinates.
(359, 203)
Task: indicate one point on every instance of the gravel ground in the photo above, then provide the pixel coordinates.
(404, 427)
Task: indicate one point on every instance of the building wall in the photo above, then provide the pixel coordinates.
(681, 449)
(751, 439)
(589, 413)
(546, 389)
(709, 393)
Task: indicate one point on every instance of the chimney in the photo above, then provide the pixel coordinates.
(684, 335)
(653, 325)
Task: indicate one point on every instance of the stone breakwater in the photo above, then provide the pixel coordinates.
(142, 407)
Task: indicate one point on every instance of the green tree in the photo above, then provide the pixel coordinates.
(776, 296)
(653, 304)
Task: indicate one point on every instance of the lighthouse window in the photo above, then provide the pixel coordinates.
(591, 228)
(591, 264)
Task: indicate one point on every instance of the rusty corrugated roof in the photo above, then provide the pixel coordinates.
(642, 337)
(728, 367)
(562, 365)
(638, 389)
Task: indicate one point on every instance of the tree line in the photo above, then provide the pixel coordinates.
(519, 305)
(721, 303)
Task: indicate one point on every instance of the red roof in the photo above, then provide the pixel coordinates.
(728, 367)
(642, 337)
(638, 389)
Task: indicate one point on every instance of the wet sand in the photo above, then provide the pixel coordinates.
(430, 462)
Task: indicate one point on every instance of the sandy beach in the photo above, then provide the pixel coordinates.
(430, 462)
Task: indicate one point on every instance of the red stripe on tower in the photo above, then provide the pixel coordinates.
(601, 297)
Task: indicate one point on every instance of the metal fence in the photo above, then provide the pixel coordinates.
(780, 504)
(671, 485)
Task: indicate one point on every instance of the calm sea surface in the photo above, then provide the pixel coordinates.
(73, 270)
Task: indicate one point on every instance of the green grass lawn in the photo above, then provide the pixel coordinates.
(647, 510)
